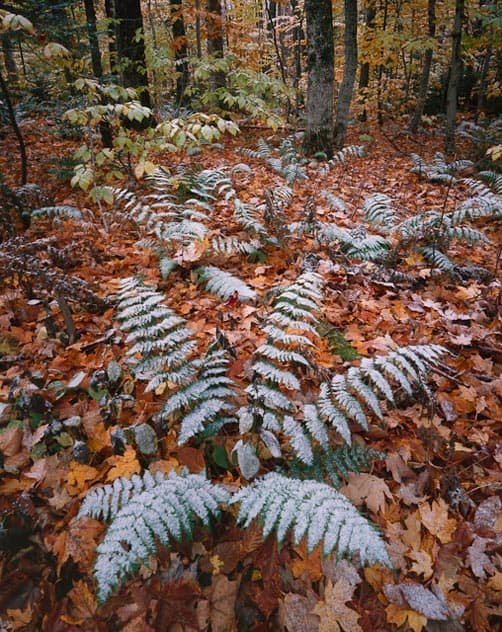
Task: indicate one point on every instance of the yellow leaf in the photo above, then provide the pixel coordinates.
(216, 563)
(368, 488)
(79, 477)
(396, 615)
(125, 465)
(139, 170)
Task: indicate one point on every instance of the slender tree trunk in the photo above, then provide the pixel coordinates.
(298, 37)
(197, 30)
(426, 70)
(131, 52)
(349, 72)
(482, 82)
(364, 73)
(180, 50)
(8, 58)
(17, 131)
(97, 67)
(321, 77)
(380, 69)
(112, 46)
(215, 38)
(455, 73)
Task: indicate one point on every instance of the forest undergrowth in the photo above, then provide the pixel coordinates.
(70, 409)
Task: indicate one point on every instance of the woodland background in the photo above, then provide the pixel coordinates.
(220, 151)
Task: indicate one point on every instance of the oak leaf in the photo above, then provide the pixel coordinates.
(123, 465)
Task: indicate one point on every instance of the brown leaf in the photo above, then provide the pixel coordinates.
(222, 595)
(333, 612)
(295, 613)
(367, 488)
(435, 519)
(82, 604)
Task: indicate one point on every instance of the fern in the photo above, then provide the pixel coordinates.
(348, 398)
(351, 151)
(334, 202)
(333, 465)
(378, 211)
(143, 511)
(493, 179)
(227, 245)
(62, 210)
(225, 285)
(311, 510)
(160, 337)
(439, 170)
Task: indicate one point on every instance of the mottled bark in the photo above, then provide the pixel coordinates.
(426, 70)
(455, 74)
(349, 72)
(321, 78)
(8, 58)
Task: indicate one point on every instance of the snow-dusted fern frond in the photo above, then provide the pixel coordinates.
(224, 284)
(335, 202)
(162, 343)
(228, 245)
(378, 211)
(493, 179)
(207, 399)
(250, 220)
(209, 185)
(439, 170)
(437, 258)
(144, 512)
(62, 210)
(351, 151)
(350, 397)
(362, 245)
(310, 510)
(263, 151)
(290, 329)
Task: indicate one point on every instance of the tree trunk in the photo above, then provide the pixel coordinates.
(17, 131)
(364, 73)
(112, 45)
(97, 67)
(131, 53)
(321, 77)
(426, 70)
(455, 73)
(215, 38)
(349, 72)
(180, 50)
(8, 58)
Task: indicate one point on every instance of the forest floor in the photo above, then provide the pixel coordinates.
(435, 497)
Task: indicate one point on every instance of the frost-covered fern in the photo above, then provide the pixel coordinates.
(439, 170)
(62, 210)
(200, 393)
(351, 151)
(144, 512)
(162, 343)
(378, 211)
(310, 510)
(290, 329)
(350, 397)
(225, 285)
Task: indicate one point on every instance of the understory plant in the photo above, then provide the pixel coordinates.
(292, 427)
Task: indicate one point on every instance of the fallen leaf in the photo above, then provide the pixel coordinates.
(367, 488)
(123, 465)
(333, 612)
(435, 520)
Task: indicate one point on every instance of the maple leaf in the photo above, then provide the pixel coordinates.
(367, 488)
(334, 614)
(435, 520)
(83, 604)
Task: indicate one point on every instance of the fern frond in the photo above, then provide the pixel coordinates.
(351, 151)
(312, 510)
(62, 210)
(247, 217)
(378, 210)
(230, 245)
(145, 511)
(335, 203)
(160, 337)
(366, 247)
(263, 151)
(437, 258)
(298, 439)
(347, 397)
(493, 179)
(224, 284)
